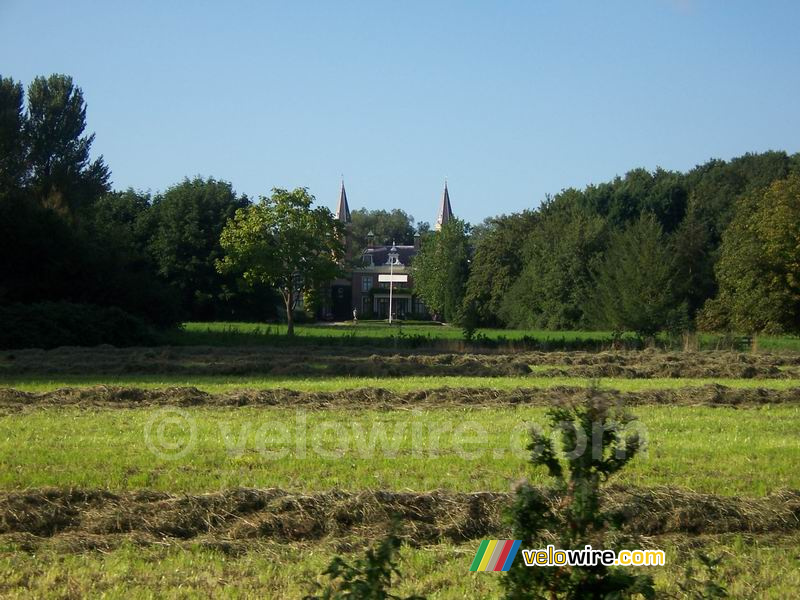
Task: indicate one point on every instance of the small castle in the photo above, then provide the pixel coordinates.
(364, 290)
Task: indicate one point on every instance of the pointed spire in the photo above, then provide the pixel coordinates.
(445, 211)
(343, 210)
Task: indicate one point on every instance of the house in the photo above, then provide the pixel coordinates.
(362, 289)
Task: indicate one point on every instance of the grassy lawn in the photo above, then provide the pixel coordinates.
(221, 333)
(223, 383)
(762, 567)
(719, 450)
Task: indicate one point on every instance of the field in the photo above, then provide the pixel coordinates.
(240, 469)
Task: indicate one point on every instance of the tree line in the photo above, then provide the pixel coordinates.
(716, 248)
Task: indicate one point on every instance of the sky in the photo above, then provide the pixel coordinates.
(510, 101)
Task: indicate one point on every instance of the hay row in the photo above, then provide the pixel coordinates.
(103, 396)
(331, 362)
(276, 515)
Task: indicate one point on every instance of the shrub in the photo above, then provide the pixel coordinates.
(51, 324)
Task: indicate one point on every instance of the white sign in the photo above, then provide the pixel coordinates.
(392, 278)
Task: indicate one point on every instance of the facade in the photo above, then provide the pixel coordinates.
(361, 290)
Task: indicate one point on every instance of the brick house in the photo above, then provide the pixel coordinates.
(362, 289)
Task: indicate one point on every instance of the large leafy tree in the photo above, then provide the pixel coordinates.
(441, 268)
(634, 285)
(284, 243)
(63, 176)
(759, 266)
(386, 226)
(497, 263)
(187, 221)
(558, 253)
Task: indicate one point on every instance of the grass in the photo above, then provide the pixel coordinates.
(762, 567)
(747, 452)
(221, 333)
(224, 383)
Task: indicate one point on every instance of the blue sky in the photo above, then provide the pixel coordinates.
(508, 100)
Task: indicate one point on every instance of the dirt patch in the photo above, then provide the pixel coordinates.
(247, 515)
(332, 362)
(382, 399)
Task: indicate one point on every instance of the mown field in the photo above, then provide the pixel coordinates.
(233, 471)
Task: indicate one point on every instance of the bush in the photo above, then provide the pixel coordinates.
(51, 324)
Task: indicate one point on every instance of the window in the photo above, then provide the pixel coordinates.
(366, 283)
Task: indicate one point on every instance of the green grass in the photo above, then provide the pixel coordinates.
(225, 383)
(221, 333)
(718, 450)
(763, 568)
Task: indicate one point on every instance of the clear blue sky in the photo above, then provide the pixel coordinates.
(509, 100)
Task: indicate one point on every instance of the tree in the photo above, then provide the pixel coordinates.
(387, 227)
(63, 176)
(635, 283)
(759, 266)
(497, 263)
(597, 442)
(441, 268)
(187, 221)
(285, 243)
(13, 148)
(557, 254)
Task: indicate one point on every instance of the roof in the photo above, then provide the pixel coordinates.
(343, 210)
(445, 210)
(380, 254)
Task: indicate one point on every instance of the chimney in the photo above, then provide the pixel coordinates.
(370, 240)
(416, 241)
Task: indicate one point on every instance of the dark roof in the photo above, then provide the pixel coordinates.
(380, 254)
(445, 211)
(343, 210)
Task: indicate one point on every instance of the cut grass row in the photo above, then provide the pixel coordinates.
(748, 452)
(763, 567)
(224, 383)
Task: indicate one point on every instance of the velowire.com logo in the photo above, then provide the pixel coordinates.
(495, 555)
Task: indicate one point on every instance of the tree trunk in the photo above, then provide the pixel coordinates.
(287, 298)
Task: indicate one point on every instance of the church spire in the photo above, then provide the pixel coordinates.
(445, 211)
(343, 210)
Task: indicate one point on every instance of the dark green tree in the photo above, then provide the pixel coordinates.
(284, 243)
(386, 226)
(497, 263)
(759, 267)
(13, 146)
(441, 269)
(634, 285)
(187, 221)
(63, 176)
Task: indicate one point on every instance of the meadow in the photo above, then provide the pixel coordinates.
(240, 468)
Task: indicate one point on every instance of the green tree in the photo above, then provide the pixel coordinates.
(441, 269)
(63, 175)
(557, 253)
(759, 266)
(187, 221)
(634, 286)
(386, 226)
(284, 243)
(13, 147)
(497, 263)
(597, 441)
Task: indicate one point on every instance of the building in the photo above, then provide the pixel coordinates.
(362, 288)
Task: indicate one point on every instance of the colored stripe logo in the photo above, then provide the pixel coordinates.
(495, 555)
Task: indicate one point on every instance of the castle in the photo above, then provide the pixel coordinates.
(363, 290)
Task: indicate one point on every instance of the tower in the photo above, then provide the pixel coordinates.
(343, 210)
(445, 211)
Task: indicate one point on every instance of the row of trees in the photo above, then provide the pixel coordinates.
(716, 248)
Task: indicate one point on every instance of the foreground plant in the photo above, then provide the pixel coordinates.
(599, 443)
(368, 578)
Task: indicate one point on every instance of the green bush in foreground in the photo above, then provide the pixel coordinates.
(594, 435)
